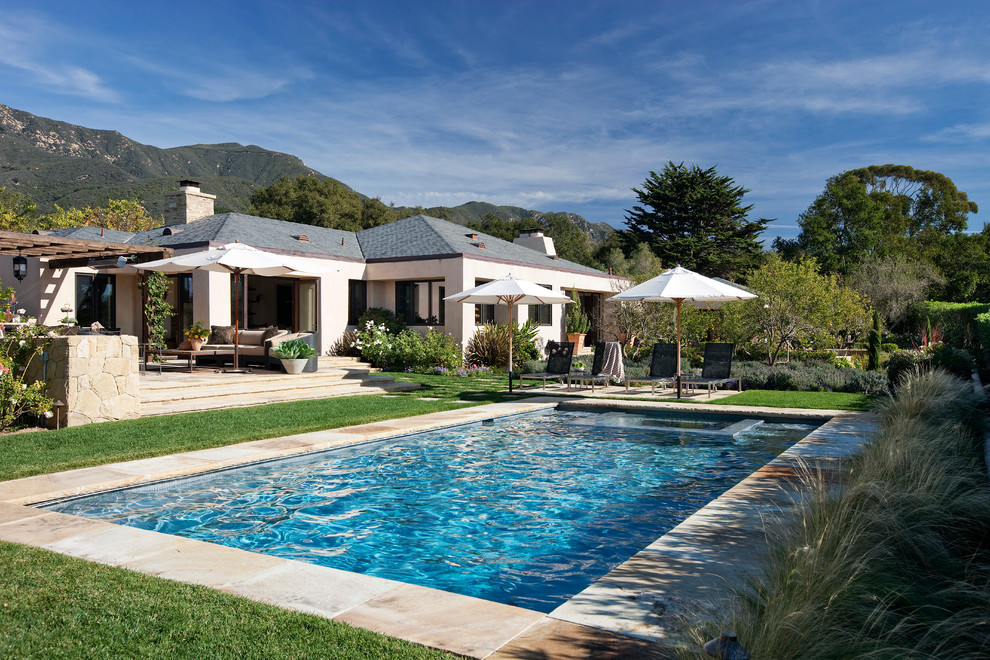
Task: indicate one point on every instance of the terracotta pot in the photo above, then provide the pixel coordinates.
(578, 341)
(195, 344)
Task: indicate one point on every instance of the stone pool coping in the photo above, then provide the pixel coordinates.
(638, 604)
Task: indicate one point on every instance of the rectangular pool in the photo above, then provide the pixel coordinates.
(526, 510)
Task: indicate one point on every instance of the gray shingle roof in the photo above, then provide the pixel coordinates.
(410, 238)
(257, 232)
(424, 236)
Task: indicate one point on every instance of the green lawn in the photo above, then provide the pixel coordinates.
(53, 606)
(814, 400)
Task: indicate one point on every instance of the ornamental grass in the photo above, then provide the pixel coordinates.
(894, 564)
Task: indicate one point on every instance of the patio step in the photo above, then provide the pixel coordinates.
(175, 392)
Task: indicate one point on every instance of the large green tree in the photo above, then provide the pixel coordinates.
(321, 202)
(695, 218)
(876, 212)
(569, 241)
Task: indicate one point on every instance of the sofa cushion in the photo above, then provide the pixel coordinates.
(270, 332)
(221, 334)
(251, 338)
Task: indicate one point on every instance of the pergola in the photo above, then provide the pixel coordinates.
(59, 252)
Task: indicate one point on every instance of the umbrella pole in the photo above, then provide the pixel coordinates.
(510, 347)
(677, 306)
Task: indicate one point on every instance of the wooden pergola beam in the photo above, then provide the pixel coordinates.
(63, 252)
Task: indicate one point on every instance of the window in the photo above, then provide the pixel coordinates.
(541, 314)
(420, 303)
(357, 300)
(484, 314)
(96, 300)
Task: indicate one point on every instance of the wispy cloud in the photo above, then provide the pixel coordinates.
(25, 41)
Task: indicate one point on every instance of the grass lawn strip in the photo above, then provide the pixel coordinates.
(52, 606)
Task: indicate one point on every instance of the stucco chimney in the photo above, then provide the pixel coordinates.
(535, 240)
(187, 204)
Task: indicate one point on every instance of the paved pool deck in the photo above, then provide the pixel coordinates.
(635, 611)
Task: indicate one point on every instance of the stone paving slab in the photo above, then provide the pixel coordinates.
(460, 624)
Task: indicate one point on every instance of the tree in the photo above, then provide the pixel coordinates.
(694, 217)
(118, 214)
(569, 241)
(893, 283)
(18, 212)
(876, 212)
(799, 307)
(309, 200)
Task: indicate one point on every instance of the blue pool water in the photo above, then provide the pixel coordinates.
(526, 510)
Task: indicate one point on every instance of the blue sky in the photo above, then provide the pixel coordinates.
(554, 106)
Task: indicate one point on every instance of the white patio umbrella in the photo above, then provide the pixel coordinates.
(677, 285)
(234, 258)
(509, 291)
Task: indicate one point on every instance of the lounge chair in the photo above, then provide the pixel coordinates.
(596, 377)
(559, 355)
(663, 367)
(715, 369)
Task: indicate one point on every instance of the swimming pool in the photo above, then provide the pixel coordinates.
(526, 510)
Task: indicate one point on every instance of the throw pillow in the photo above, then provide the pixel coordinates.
(270, 332)
(221, 334)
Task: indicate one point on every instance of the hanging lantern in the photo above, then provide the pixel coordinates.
(20, 267)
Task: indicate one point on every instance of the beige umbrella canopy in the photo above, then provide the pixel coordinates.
(677, 285)
(509, 291)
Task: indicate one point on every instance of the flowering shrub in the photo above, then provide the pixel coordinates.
(18, 348)
(407, 350)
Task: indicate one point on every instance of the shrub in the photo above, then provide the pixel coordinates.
(489, 346)
(346, 345)
(809, 377)
(440, 350)
(524, 343)
(19, 397)
(407, 350)
(382, 316)
(953, 360)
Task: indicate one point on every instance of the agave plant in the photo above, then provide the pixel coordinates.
(294, 349)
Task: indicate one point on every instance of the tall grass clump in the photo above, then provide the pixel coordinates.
(896, 562)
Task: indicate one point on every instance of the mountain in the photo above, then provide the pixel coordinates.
(72, 166)
(475, 211)
(54, 162)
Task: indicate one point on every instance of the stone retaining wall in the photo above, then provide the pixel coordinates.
(96, 376)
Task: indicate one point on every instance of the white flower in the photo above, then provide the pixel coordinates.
(22, 312)
(20, 343)
(13, 401)
(24, 386)
(48, 414)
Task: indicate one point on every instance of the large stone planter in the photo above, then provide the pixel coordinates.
(95, 376)
(294, 366)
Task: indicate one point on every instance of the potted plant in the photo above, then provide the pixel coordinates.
(294, 355)
(197, 333)
(576, 322)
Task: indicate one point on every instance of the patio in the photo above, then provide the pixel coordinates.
(175, 390)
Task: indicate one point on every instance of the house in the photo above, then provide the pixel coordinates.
(408, 266)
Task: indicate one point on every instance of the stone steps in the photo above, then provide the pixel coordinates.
(175, 392)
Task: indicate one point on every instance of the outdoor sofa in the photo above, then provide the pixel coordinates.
(254, 346)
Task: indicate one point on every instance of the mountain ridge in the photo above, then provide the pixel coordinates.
(63, 164)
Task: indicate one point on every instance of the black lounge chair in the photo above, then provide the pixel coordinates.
(596, 377)
(559, 355)
(663, 367)
(715, 369)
